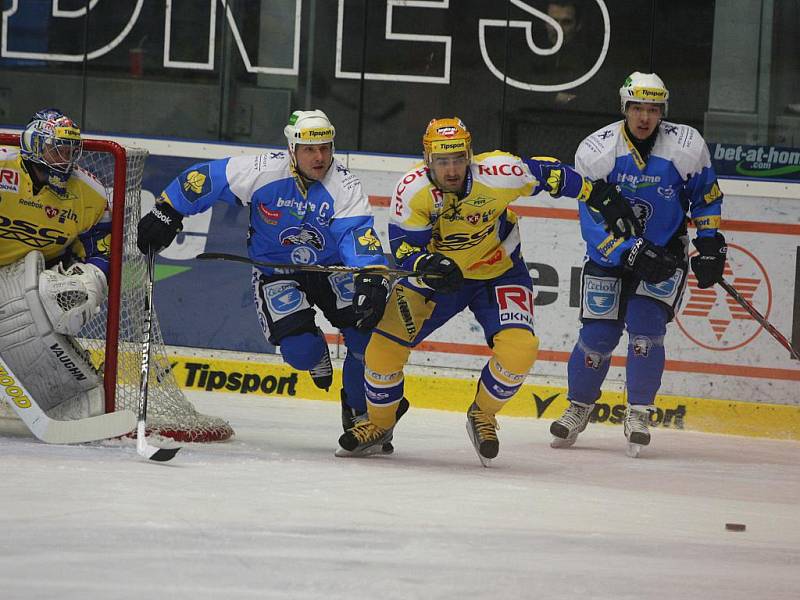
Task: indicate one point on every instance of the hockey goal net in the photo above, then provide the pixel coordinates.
(113, 337)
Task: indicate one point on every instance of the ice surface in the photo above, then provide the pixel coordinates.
(273, 514)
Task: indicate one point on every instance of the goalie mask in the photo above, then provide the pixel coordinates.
(647, 88)
(53, 141)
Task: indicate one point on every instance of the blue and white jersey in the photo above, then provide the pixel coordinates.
(676, 179)
(328, 223)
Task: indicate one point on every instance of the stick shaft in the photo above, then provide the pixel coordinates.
(751, 310)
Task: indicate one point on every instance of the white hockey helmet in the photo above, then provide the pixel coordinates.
(309, 127)
(644, 87)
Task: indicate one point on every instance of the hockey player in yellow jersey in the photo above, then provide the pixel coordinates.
(54, 251)
(449, 221)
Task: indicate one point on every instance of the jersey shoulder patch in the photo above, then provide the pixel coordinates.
(597, 153)
(683, 146)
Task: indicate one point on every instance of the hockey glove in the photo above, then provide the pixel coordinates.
(617, 213)
(439, 272)
(710, 263)
(158, 228)
(649, 262)
(369, 299)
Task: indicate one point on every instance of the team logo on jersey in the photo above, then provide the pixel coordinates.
(9, 180)
(303, 255)
(196, 183)
(270, 217)
(31, 234)
(473, 219)
(715, 321)
(642, 209)
(667, 192)
(367, 243)
(601, 297)
(51, 212)
(302, 236)
(515, 305)
(462, 241)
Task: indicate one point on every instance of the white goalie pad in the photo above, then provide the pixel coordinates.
(72, 297)
(56, 371)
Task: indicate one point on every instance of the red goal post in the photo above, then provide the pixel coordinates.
(113, 338)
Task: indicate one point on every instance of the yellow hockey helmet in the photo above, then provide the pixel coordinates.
(445, 136)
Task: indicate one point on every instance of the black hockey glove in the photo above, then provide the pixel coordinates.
(649, 262)
(439, 272)
(369, 300)
(710, 263)
(158, 228)
(620, 219)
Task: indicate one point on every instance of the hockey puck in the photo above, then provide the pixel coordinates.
(735, 526)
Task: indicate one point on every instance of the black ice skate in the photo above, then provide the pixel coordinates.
(322, 372)
(574, 420)
(637, 433)
(482, 430)
(365, 437)
(350, 417)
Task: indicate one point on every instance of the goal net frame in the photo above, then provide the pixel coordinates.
(169, 412)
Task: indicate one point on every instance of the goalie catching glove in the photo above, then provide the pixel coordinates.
(158, 228)
(709, 264)
(439, 272)
(369, 300)
(72, 297)
(616, 211)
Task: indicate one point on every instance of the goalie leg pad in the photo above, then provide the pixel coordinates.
(55, 370)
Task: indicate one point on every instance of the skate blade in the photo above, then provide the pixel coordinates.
(563, 443)
(486, 462)
(376, 449)
(633, 450)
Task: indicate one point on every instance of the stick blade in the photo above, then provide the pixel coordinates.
(163, 454)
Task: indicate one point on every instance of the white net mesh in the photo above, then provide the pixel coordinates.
(169, 413)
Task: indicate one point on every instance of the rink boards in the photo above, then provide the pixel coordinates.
(453, 389)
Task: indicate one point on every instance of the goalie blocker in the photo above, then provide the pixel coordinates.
(54, 370)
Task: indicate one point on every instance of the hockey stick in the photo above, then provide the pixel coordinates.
(759, 317)
(55, 431)
(142, 446)
(310, 268)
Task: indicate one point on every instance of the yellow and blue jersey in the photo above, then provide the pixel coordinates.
(476, 229)
(76, 224)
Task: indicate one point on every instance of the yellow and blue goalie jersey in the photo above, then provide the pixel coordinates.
(76, 225)
(475, 229)
(677, 178)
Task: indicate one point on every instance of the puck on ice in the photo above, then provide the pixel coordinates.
(735, 526)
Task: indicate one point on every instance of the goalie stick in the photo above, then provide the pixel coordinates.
(54, 431)
(143, 447)
(311, 268)
(759, 317)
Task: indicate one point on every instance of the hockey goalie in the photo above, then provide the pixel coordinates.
(55, 230)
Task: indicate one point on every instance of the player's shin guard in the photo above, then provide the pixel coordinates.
(591, 358)
(647, 324)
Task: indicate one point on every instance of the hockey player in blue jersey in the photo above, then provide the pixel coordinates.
(305, 208)
(664, 170)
